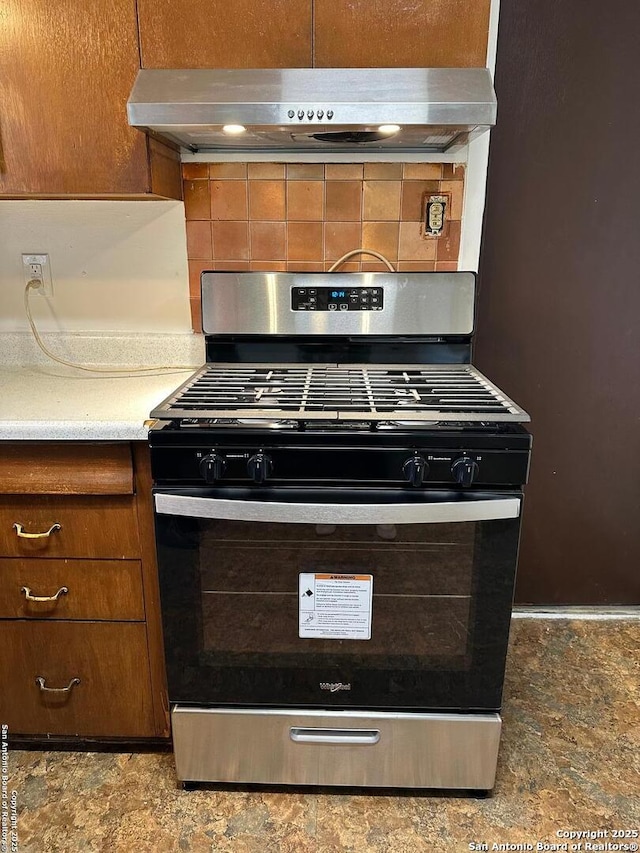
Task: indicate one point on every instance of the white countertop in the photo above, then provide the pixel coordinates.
(58, 404)
(50, 402)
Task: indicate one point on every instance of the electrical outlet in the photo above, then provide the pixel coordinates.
(36, 267)
(435, 215)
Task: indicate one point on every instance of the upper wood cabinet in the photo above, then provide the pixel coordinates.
(225, 33)
(384, 33)
(66, 70)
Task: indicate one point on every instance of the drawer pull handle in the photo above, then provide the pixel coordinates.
(28, 595)
(44, 689)
(24, 535)
(337, 736)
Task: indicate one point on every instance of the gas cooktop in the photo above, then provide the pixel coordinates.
(291, 396)
(281, 395)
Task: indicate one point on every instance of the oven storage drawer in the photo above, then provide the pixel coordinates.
(57, 526)
(380, 749)
(86, 679)
(71, 589)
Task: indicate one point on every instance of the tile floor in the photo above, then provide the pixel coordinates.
(570, 760)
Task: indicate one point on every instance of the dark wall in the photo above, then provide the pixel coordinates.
(559, 306)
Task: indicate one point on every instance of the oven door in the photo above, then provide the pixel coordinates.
(370, 599)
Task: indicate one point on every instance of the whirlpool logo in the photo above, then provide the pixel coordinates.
(334, 686)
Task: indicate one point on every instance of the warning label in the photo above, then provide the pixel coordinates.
(335, 607)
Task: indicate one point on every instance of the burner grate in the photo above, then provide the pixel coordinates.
(420, 393)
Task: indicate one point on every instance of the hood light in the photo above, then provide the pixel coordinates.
(389, 129)
(234, 129)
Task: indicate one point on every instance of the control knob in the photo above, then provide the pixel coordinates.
(212, 467)
(465, 470)
(259, 467)
(415, 470)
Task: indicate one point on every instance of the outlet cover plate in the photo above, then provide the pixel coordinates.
(36, 265)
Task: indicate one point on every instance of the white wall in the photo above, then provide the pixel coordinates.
(116, 265)
(475, 186)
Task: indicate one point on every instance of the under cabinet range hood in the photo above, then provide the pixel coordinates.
(318, 109)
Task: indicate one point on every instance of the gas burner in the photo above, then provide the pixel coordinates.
(205, 423)
(261, 392)
(235, 423)
(342, 426)
(389, 425)
(267, 423)
(450, 426)
(409, 393)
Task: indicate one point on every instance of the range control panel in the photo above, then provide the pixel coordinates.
(287, 464)
(336, 299)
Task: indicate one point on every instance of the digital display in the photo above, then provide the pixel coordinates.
(327, 299)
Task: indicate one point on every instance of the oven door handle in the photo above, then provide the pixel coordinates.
(324, 513)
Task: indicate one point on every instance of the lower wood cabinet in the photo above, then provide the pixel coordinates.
(68, 526)
(80, 631)
(71, 589)
(75, 678)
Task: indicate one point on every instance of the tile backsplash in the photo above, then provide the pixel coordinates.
(304, 216)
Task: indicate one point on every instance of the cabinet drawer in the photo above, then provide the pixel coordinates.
(87, 526)
(75, 589)
(66, 469)
(112, 698)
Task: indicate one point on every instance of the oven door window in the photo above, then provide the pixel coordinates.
(237, 594)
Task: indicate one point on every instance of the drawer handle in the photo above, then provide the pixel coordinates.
(27, 594)
(44, 689)
(23, 535)
(338, 736)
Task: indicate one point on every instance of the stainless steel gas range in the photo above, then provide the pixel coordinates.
(338, 494)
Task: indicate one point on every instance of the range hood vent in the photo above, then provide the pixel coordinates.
(319, 109)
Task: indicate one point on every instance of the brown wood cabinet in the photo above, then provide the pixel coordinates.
(225, 33)
(394, 33)
(66, 70)
(77, 526)
(79, 607)
(74, 469)
(71, 589)
(76, 678)
(304, 33)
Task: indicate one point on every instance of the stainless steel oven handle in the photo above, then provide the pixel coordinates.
(340, 736)
(320, 513)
